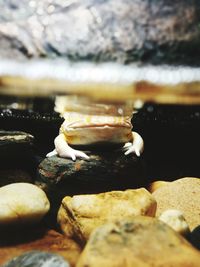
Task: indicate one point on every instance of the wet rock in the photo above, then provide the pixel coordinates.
(13, 142)
(38, 124)
(37, 259)
(104, 171)
(22, 203)
(80, 215)
(124, 31)
(140, 241)
(16, 155)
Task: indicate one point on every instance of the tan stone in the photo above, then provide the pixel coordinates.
(79, 215)
(157, 184)
(140, 241)
(22, 203)
(176, 220)
(182, 194)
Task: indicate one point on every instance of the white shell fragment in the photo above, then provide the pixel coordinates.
(22, 203)
(175, 219)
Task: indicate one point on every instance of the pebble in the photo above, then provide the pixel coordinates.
(22, 203)
(37, 259)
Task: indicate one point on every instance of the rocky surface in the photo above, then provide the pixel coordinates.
(22, 203)
(141, 242)
(175, 219)
(164, 128)
(124, 31)
(39, 124)
(37, 259)
(182, 194)
(15, 242)
(16, 156)
(80, 215)
(15, 144)
(104, 171)
(157, 184)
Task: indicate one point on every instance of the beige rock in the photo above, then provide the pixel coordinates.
(157, 184)
(141, 242)
(182, 194)
(22, 203)
(79, 215)
(176, 220)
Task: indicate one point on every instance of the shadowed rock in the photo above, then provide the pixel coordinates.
(104, 171)
(16, 157)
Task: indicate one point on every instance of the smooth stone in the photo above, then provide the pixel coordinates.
(140, 241)
(22, 203)
(182, 194)
(17, 241)
(79, 215)
(123, 31)
(37, 259)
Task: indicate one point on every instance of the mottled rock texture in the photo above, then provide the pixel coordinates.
(124, 31)
(79, 215)
(141, 242)
(37, 259)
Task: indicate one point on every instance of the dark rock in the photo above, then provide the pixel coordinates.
(104, 171)
(37, 259)
(39, 124)
(124, 31)
(8, 139)
(16, 155)
(14, 144)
